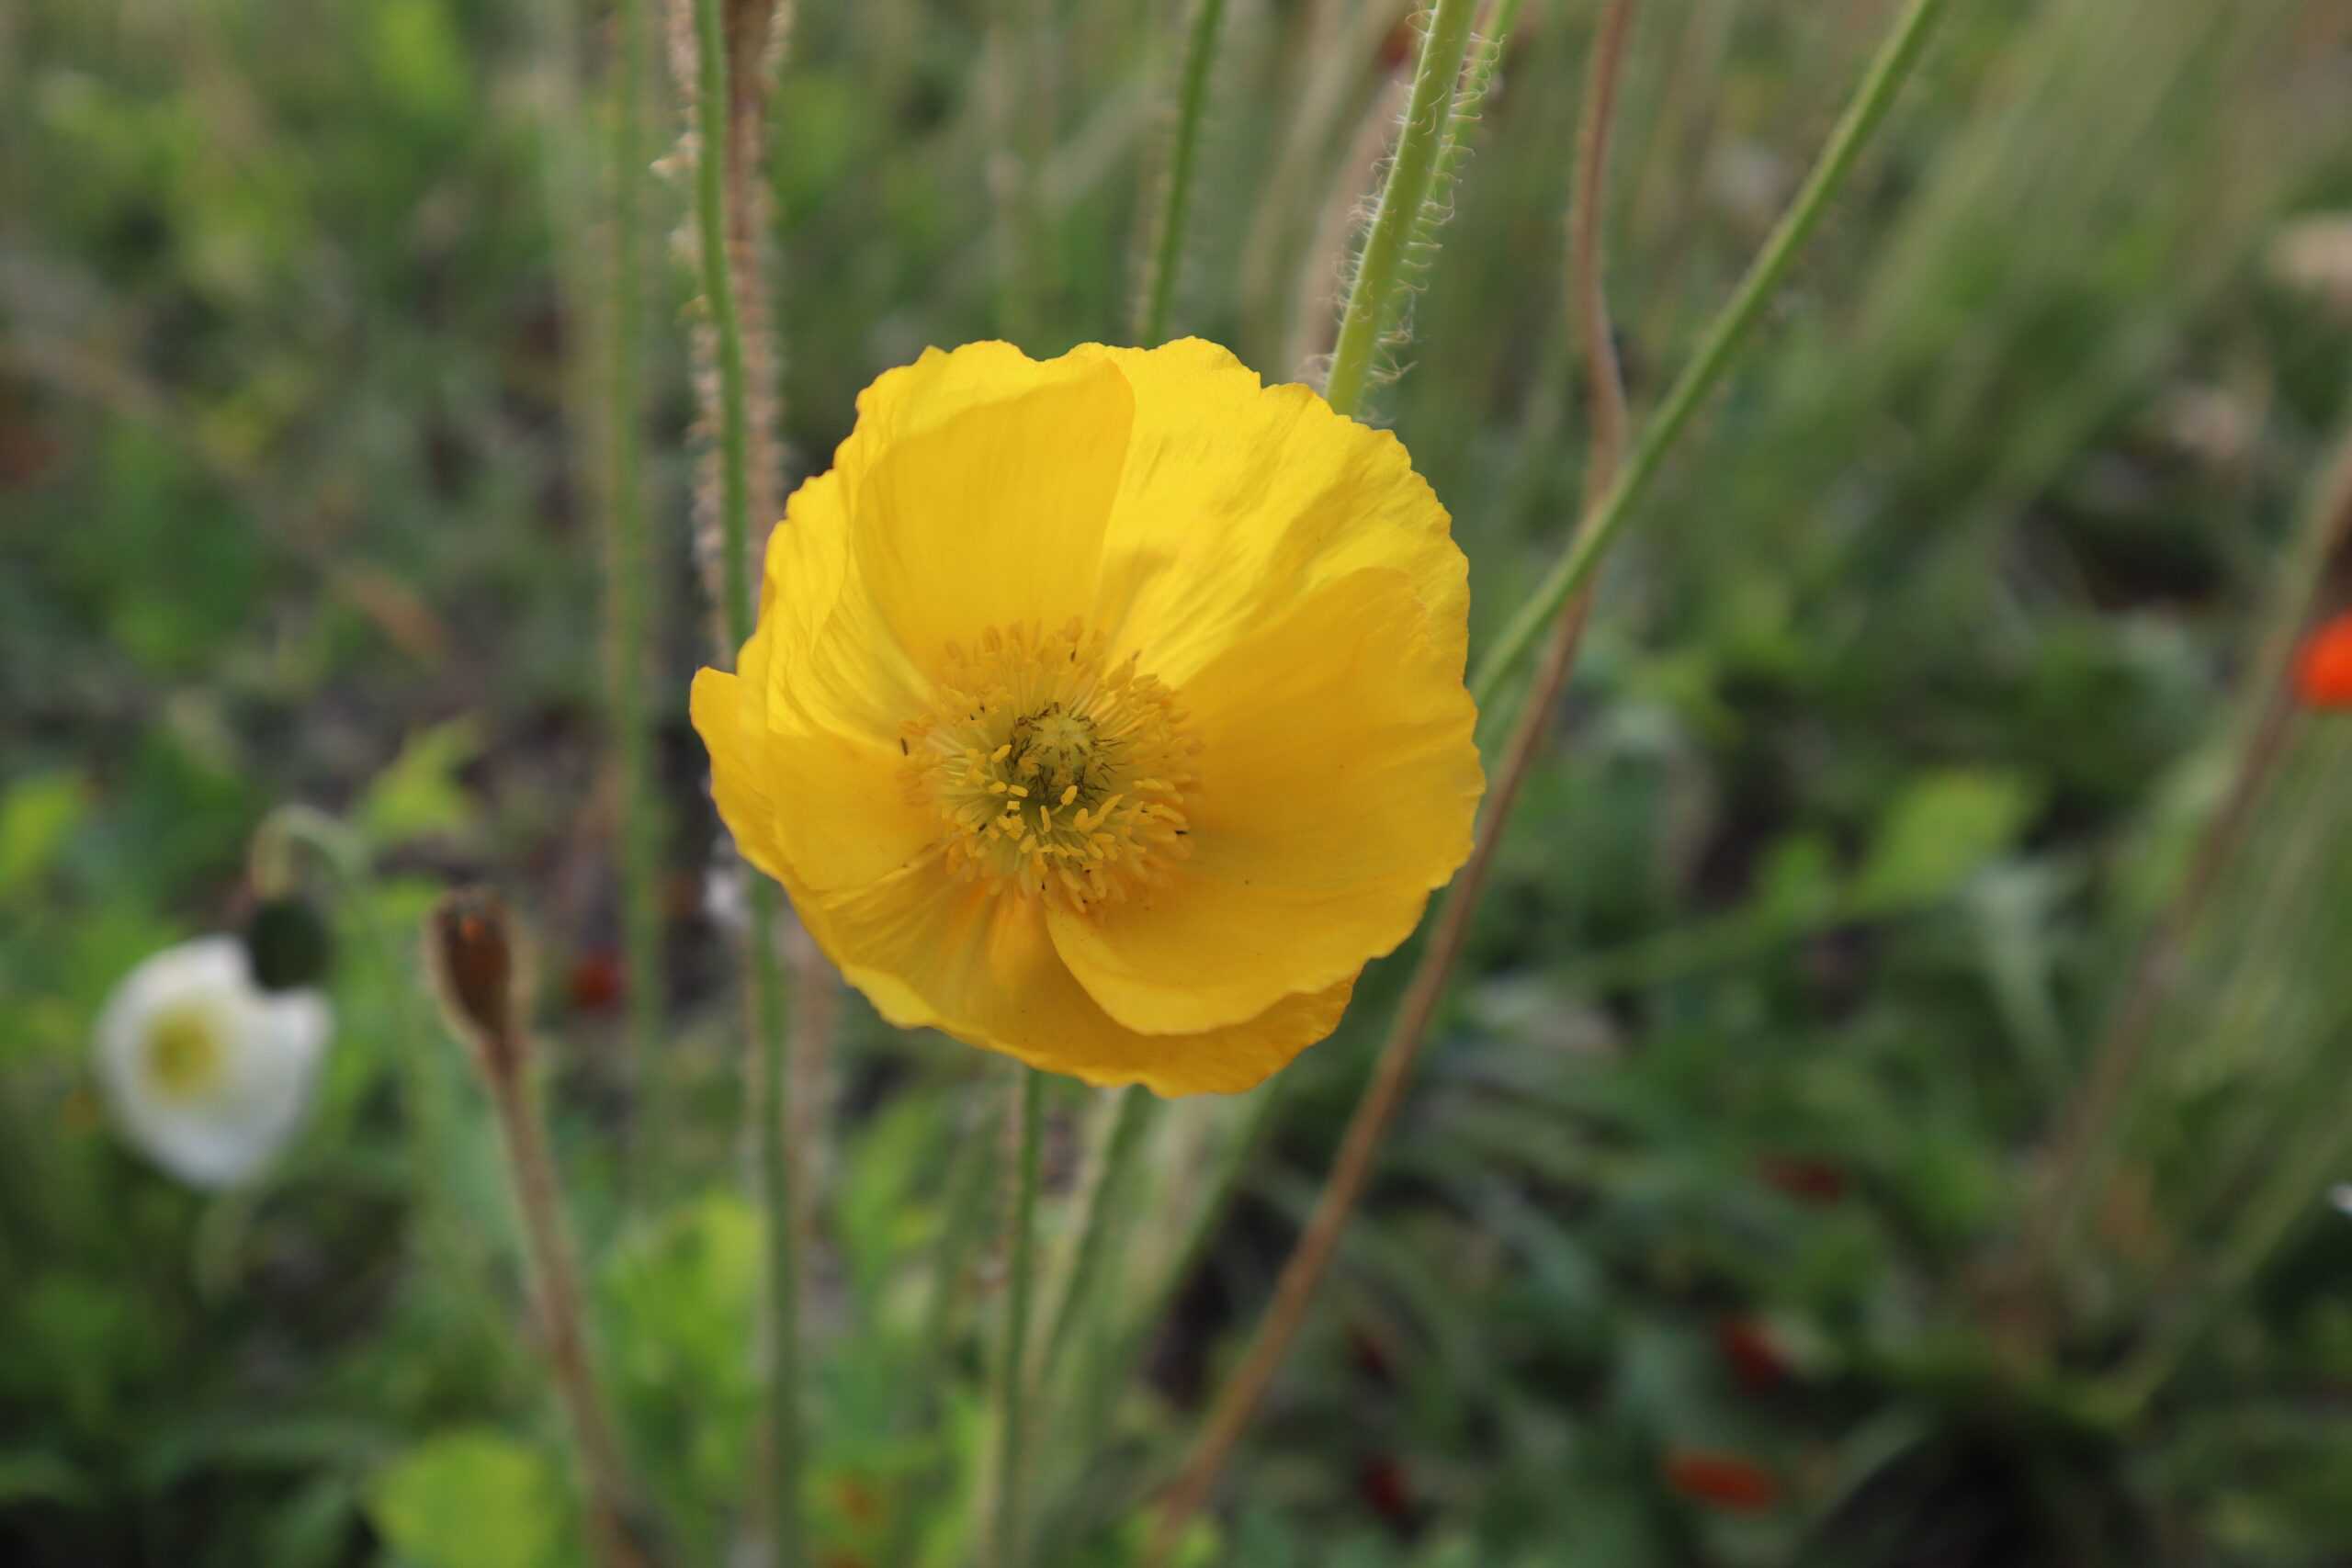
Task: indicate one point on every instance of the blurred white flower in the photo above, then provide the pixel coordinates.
(203, 1072)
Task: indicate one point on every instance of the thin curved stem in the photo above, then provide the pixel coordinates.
(556, 1297)
(772, 1075)
(630, 601)
(1005, 1545)
(1237, 1401)
(1726, 339)
(1192, 103)
(1588, 298)
(1377, 293)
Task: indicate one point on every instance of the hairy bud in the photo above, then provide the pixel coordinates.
(474, 954)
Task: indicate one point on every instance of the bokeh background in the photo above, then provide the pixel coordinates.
(1907, 705)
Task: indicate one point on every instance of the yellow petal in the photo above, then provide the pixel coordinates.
(831, 664)
(984, 970)
(815, 807)
(979, 483)
(1237, 499)
(1338, 782)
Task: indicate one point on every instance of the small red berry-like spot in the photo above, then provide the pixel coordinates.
(1805, 1180)
(1381, 1481)
(1367, 1355)
(1754, 1357)
(1397, 44)
(2324, 667)
(597, 981)
(1721, 1481)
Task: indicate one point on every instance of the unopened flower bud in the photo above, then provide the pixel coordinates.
(473, 952)
(287, 944)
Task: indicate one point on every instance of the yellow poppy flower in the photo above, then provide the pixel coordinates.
(1105, 711)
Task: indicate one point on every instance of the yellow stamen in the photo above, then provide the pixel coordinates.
(1056, 773)
(185, 1055)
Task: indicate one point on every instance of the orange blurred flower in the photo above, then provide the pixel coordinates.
(1720, 1480)
(2323, 668)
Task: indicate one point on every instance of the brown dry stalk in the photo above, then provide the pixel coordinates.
(2087, 1129)
(555, 1290)
(474, 954)
(1238, 1399)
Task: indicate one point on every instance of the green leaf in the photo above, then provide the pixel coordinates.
(1942, 831)
(470, 1498)
(36, 815)
(1798, 880)
(36, 1476)
(681, 1301)
(418, 795)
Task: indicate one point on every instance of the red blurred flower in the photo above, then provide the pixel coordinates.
(1754, 1355)
(2324, 667)
(1808, 1180)
(1721, 1481)
(1381, 1481)
(597, 980)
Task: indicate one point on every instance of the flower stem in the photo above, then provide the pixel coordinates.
(1721, 349)
(555, 1292)
(631, 570)
(1377, 294)
(1237, 1401)
(1130, 1116)
(1167, 249)
(773, 1075)
(1005, 1550)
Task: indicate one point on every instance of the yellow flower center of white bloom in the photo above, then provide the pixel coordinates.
(1057, 774)
(185, 1056)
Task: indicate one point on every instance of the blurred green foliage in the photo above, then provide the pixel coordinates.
(1899, 716)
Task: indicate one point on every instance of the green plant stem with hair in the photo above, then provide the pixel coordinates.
(632, 572)
(1726, 340)
(1006, 1548)
(1376, 297)
(772, 1075)
(1192, 105)
(1130, 1117)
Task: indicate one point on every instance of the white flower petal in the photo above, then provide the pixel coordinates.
(273, 1045)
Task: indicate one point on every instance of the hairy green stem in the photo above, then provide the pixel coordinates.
(1168, 248)
(1726, 339)
(1006, 1547)
(772, 1075)
(1130, 1116)
(1377, 294)
(1484, 59)
(632, 570)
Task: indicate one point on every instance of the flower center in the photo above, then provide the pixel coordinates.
(185, 1056)
(1056, 772)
